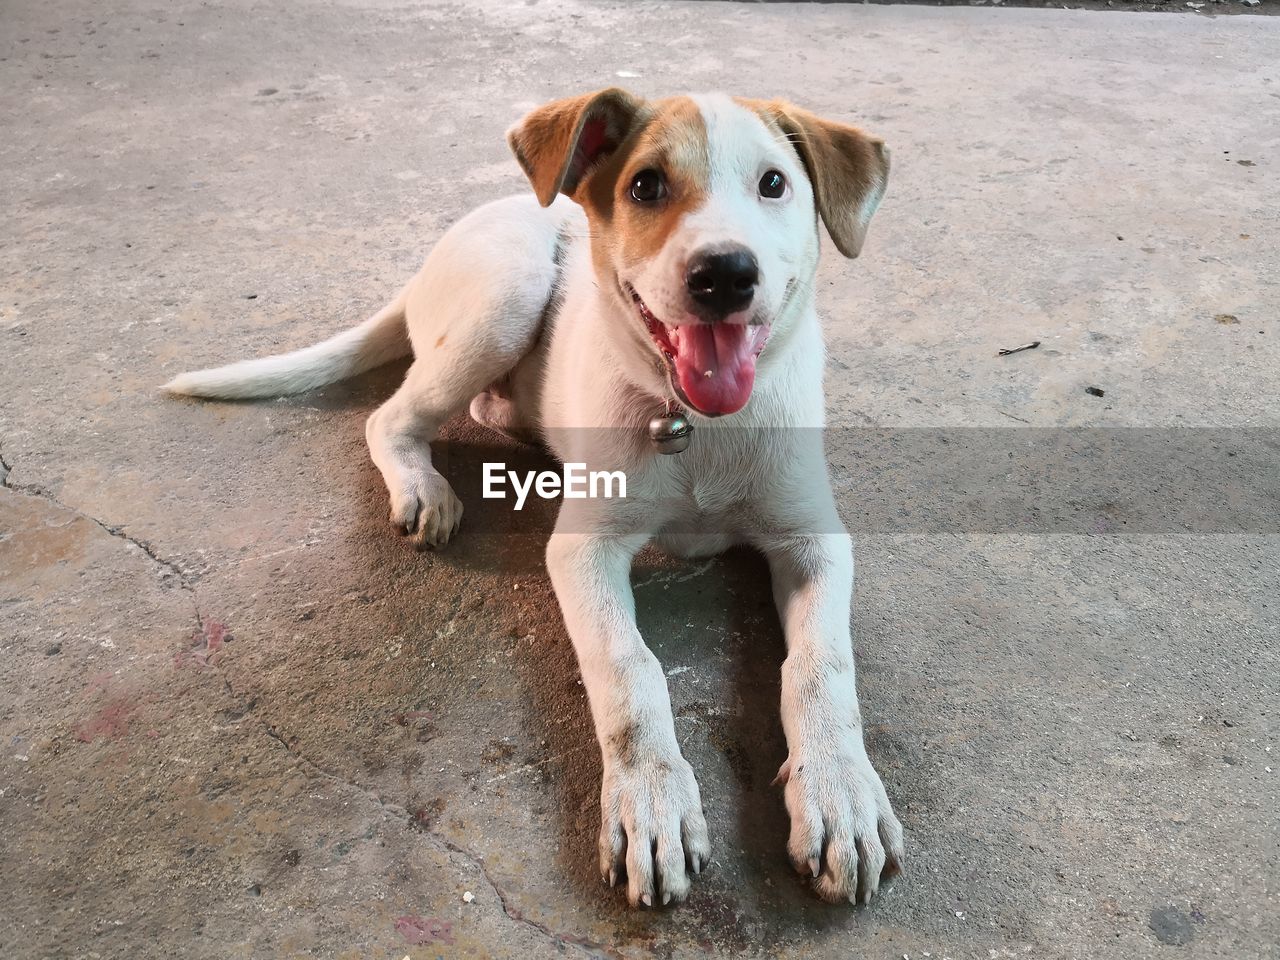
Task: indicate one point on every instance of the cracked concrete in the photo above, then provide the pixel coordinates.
(588, 947)
(241, 719)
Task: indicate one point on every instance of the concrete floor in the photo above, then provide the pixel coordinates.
(241, 719)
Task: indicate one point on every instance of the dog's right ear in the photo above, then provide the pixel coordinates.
(559, 143)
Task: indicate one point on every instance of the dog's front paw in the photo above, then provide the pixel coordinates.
(652, 829)
(425, 508)
(843, 832)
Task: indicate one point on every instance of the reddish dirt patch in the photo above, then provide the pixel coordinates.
(109, 723)
(206, 643)
(420, 930)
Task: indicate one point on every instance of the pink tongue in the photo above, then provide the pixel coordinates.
(716, 364)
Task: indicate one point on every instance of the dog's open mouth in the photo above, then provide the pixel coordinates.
(712, 365)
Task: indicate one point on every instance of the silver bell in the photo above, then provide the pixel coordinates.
(670, 432)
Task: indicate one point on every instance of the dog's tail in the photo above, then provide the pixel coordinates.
(380, 339)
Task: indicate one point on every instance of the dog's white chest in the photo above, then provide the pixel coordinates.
(701, 495)
(712, 499)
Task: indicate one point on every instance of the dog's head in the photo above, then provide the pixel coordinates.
(703, 217)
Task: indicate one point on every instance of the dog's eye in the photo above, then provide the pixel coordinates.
(773, 185)
(648, 187)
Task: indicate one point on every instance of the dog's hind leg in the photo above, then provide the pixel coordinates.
(496, 409)
(473, 312)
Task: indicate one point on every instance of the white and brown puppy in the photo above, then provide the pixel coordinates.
(680, 269)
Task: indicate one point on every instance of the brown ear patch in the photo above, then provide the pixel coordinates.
(559, 143)
(673, 141)
(848, 169)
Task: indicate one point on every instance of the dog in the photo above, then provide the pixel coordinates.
(666, 262)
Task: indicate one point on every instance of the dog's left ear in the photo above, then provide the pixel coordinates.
(559, 143)
(848, 169)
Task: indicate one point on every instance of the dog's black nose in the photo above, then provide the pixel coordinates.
(723, 281)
